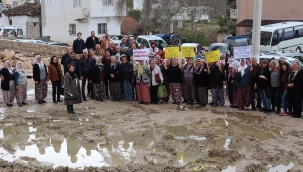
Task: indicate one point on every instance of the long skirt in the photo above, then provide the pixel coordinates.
(9, 96)
(41, 90)
(218, 96)
(176, 91)
(168, 92)
(244, 96)
(203, 95)
(115, 90)
(235, 99)
(99, 91)
(189, 89)
(21, 94)
(143, 93)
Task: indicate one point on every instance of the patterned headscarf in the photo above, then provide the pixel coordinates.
(10, 69)
(37, 62)
(19, 67)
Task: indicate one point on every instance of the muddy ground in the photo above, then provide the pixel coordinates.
(126, 136)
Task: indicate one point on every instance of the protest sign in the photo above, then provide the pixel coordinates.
(242, 52)
(212, 56)
(141, 54)
(187, 52)
(171, 52)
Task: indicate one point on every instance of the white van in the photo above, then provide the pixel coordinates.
(10, 30)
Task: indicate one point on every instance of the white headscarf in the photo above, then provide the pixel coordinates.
(39, 63)
(242, 68)
(18, 68)
(10, 69)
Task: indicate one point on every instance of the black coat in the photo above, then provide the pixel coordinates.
(95, 76)
(7, 77)
(201, 79)
(36, 72)
(116, 72)
(262, 83)
(90, 43)
(78, 46)
(216, 77)
(64, 58)
(174, 74)
(298, 83)
(126, 71)
(112, 52)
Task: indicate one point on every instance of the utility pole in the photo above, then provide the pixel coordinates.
(256, 29)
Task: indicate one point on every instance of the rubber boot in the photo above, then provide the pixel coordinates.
(68, 109)
(72, 109)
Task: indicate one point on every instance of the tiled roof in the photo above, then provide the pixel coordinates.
(27, 9)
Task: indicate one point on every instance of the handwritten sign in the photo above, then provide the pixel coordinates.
(171, 52)
(140, 54)
(242, 52)
(212, 56)
(187, 52)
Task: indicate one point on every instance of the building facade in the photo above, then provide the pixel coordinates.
(62, 20)
(273, 11)
(15, 3)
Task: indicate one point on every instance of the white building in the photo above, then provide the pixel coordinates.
(26, 17)
(138, 4)
(62, 20)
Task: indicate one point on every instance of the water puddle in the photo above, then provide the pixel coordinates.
(180, 131)
(2, 110)
(281, 168)
(230, 169)
(30, 111)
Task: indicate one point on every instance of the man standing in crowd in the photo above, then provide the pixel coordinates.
(92, 41)
(129, 53)
(118, 51)
(73, 61)
(124, 43)
(112, 48)
(126, 76)
(78, 45)
(66, 56)
(255, 67)
(93, 55)
(86, 65)
(132, 41)
(105, 42)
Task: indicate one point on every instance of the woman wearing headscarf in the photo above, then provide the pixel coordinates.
(230, 81)
(97, 78)
(40, 76)
(166, 79)
(113, 76)
(174, 72)
(21, 84)
(286, 102)
(243, 78)
(275, 84)
(160, 55)
(154, 84)
(295, 84)
(188, 81)
(56, 77)
(201, 81)
(72, 89)
(216, 84)
(8, 83)
(262, 82)
(106, 61)
(142, 73)
(153, 49)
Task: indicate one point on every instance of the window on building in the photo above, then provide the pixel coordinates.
(10, 22)
(102, 28)
(108, 2)
(15, 4)
(77, 3)
(72, 29)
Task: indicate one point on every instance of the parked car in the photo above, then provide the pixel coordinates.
(35, 41)
(296, 55)
(147, 39)
(223, 47)
(237, 41)
(58, 44)
(288, 60)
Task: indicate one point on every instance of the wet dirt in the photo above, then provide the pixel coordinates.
(126, 136)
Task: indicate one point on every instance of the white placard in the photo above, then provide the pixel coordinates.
(141, 54)
(242, 52)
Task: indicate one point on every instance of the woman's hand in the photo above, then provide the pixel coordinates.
(36, 82)
(17, 87)
(290, 85)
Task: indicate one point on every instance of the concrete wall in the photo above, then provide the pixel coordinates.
(272, 9)
(30, 47)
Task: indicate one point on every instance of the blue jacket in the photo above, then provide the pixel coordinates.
(85, 66)
(78, 46)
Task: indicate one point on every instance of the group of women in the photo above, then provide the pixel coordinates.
(278, 85)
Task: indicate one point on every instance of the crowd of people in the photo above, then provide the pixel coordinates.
(108, 71)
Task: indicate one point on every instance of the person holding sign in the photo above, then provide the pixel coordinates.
(243, 77)
(188, 81)
(201, 81)
(175, 80)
